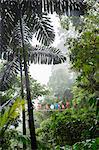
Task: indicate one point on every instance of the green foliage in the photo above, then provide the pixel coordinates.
(87, 46)
(83, 98)
(37, 89)
(91, 144)
(68, 128)
(41, 116)
(83, 52)
(4, 96)
(11, 138)
(10, 114)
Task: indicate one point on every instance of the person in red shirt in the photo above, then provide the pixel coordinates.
(67, 104)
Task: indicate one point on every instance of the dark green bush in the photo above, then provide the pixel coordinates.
(68, 128)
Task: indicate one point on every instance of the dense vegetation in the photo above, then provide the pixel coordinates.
(78, 127)
(68, 128)
(74, 127)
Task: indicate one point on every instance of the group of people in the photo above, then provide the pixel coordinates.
(54, 106)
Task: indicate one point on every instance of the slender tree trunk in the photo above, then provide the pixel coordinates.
(72, 147)
(29, 102)
(22, 95)
(30, 108)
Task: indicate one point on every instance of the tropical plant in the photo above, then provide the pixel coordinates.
(9, 137)
(8, 116)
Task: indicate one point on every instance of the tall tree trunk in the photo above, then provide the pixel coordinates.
(72, 147)
(30, 108)
(22, 95)
(29, 102)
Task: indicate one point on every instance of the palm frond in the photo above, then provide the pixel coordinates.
(40, 24)
(8, 20)
(8, 73)
(16, 38)
(7, 17)
(45, 55)
(31, 10)
(7, 55)
(4, 37)
(69, 7)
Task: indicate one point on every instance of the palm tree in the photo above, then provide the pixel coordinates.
(28, 15)
(43, 55)
(20, 23)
